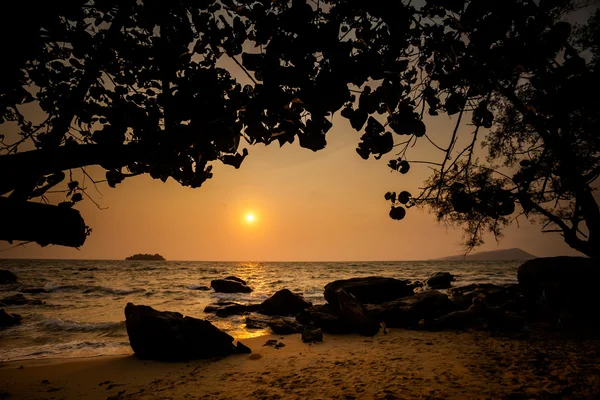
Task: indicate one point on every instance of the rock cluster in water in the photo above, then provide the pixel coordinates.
(560, 290)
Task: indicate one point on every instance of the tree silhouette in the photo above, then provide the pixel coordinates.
(145, 88)
(518, 71)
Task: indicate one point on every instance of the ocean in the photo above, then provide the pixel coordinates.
(82, 314)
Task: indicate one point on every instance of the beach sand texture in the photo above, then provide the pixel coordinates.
(402, 364)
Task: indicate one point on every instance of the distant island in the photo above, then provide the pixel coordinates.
(495, 255)
(146, 257)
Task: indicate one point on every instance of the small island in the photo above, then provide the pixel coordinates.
(146, 257)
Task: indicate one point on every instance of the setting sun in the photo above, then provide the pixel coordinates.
(250, 218)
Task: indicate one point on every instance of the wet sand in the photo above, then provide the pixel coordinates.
(402, 364)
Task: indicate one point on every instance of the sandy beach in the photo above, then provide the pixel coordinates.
(402, 364)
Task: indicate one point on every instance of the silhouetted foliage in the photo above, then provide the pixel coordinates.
(147, 88)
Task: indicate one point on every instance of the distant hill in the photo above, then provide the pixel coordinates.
(495, 255)
(146, 257)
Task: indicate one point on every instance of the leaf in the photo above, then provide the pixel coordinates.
(455, 103)
(404, 197)
(114, 177)
(404, 167)
(73, 185)
(76, 197)
(374, 127)
(397, 213)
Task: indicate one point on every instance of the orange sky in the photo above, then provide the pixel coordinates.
(321, 206)
(326, 205)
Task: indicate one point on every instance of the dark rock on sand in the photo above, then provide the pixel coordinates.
(7, 319)
(324, 317)
(310, 335)
(558, 288)
(440, 280)
(494, 295)
(169, 336)
(7, 277)
(369, 290)
(356, 315)
(241, 348)
(285, 326)
(480, 316)
(274, 343)
(229, 286)
(20, 300)
(225, 309)
(34, 290)
(284, 302)
(257, 321)
(408, 311)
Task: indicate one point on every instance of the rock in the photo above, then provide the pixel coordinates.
(229, 286)
(440, 280)
(241, 348)
(226, 309)
(478, 315)
(408, 311)
(20, 300)
(494, 295)
(556, 286)
(199, 287)
(284, 302)
(369, 290)
(311, 335)
(7, 319)
(257, 321)
(285, 326)
(34, 290)
(169, 336)
(7, 277)
(274, 343)
(235, 278)
(356, 315)
(324, 317)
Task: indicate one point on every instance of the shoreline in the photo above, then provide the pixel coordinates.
(401, 364)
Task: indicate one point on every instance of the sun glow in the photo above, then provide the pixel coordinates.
(250, 218)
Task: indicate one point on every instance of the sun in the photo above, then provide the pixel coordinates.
(250, 218)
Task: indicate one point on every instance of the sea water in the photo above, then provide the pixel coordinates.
(82, 314)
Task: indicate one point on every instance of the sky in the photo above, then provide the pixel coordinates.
(307, 206)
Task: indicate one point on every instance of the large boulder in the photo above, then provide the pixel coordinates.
(312, 335)
(20, 300)
(440, 280)
(284, 302)
(7, 277)
(494, 295)
(285, 326)
(479, 316)
(257, 321)
(356, 315)
(169, 336)
(326, 318)
(229, 286)
(227, 308)
(235, 278)
(560, 286)
(408, 311)
(369, 290)
(7, 319)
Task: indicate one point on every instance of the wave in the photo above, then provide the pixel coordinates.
(92, 289)
(58, 324)
(83, 348)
